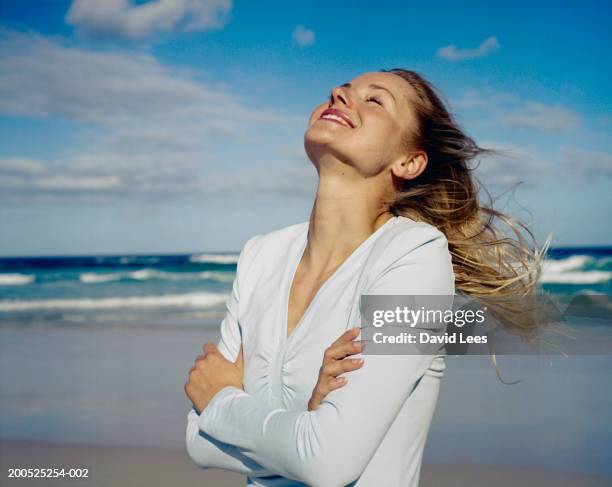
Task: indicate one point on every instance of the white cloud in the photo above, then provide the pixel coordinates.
(526, 166)
(73, 181)
(540, 116)
(151, 129)
(512, 110)
(514, 165)
(303, 37)
(291, 180)
(21, 166)
(453, 53)
(123, 19)
(484, 98)
(79, 183)
(587, 163)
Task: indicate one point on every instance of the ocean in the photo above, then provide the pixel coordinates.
(190, 289)
(119, 290)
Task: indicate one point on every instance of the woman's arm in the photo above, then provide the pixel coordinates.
(204, 450)
(333, 444)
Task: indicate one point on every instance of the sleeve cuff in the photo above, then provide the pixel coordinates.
(220, 400)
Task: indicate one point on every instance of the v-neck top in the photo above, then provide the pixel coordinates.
(371, 431)
(293, 265)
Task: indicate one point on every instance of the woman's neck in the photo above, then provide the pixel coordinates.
(342, 217)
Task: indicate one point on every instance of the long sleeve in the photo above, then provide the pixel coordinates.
(204, 450)
(332, 445)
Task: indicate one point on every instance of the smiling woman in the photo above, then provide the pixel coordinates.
(395, 213)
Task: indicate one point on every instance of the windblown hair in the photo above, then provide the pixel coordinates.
(488, 263)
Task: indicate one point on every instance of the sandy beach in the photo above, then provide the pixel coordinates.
(111, 398)
(123, 466)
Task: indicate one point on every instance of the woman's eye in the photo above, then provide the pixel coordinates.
(376, 100)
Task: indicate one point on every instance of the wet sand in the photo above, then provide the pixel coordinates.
(112, 399)
(121, 466)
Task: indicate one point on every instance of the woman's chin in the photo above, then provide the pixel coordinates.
(320, 136)
(318, 147)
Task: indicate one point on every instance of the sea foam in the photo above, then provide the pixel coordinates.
(16, 279)
(154, 274)
(214, 258)
(576, 269)
(188, 300)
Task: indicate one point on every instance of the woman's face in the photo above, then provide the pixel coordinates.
(376, 109)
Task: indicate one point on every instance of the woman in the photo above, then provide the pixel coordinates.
(395, 213)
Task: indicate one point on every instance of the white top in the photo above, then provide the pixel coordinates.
(370, 432)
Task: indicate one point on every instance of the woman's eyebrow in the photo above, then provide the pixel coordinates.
(372, 85)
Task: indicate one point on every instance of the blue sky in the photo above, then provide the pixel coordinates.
(145, 127)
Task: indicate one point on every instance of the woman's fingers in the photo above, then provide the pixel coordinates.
(342, 350)
(335, 362)
(347, 336)
(338, 367)
(323, 388)
(331, 384)
(328, 380)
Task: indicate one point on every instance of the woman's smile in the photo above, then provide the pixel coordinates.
(337, 116)
(329, 118)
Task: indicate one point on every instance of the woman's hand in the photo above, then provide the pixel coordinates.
(211, 373)
(334, 364)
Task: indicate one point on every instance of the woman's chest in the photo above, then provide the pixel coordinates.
(283, 370)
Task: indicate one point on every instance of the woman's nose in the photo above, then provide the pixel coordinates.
(339, 93)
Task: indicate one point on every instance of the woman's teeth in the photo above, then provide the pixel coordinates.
(338, 119)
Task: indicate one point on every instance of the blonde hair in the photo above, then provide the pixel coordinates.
(488, 263)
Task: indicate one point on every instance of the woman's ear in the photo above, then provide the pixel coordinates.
(410, 166)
